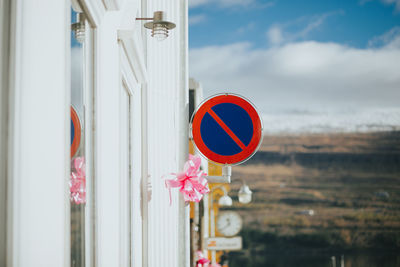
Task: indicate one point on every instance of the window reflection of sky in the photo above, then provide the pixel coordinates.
(76, 70)
(74, 42)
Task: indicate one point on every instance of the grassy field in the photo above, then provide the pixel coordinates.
(351, 182)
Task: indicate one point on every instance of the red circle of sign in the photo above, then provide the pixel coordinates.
(254, 142)
(77, 132)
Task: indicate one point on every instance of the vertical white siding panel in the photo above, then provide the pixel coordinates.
(38, 203)
(108, 143)
(183, 110)
(164, 70)
(136, 185)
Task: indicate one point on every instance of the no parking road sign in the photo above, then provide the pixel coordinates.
(227, 129)
(75, 132)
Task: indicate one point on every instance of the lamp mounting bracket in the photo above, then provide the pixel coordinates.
(225, 178)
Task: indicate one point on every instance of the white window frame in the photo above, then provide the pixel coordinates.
(89, 102)
(4, 66)
(133, 75)
(126, 176)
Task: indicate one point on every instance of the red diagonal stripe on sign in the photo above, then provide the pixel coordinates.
(226, 129)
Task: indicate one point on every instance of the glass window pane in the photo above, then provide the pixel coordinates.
(78, 175)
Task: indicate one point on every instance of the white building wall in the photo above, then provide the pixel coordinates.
(38, 164)
(107, 145)
(164, 125)
(117, 79)
(168, 136)
(38, 134)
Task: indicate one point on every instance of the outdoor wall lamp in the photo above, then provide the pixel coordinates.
(79, 27)
(225, 200)
(159, 27)
(245, 194)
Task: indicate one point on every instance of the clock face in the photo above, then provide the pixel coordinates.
(229, 223)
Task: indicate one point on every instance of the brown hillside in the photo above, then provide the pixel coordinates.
(350, 181)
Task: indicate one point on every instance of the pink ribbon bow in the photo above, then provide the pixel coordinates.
(77, 184)
(201, 260)
(191, 181)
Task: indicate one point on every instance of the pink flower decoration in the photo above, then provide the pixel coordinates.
(201, 259)
(191, 181)
(77, 184)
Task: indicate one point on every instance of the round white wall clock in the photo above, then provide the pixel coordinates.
(229, 223)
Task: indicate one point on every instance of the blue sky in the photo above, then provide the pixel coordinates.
(324, 65)
(349, 22)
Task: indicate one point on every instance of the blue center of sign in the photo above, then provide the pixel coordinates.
(72, 132)
(217, 139)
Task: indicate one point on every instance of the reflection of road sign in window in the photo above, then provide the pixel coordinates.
(75, 132)
(227, 129)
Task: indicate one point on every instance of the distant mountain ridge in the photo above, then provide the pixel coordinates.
(297, 121)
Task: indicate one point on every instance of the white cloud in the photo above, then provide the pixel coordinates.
(274, 35)
(195, 3)
(314, 24)
(77, 67)
(377, 119)
(390, 39)
(196, 19)
(280, 33)
(230, 3)
(76, 77)
(312, 76)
